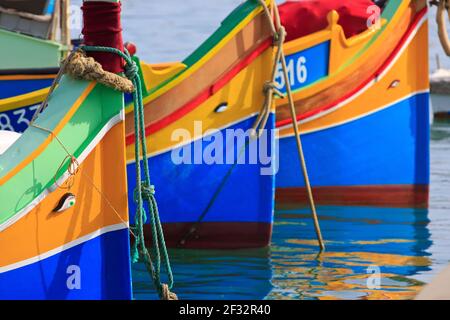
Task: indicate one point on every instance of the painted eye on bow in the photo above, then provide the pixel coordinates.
(67, 201)
(221, 107)
(394, 84)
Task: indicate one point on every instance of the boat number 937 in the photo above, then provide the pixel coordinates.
(297, 73)
(17, 120)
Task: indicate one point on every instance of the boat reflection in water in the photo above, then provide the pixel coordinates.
(360, 241)
(213, 274)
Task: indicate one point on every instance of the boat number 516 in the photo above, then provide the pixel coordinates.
(297, 73)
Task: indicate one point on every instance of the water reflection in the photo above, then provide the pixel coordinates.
(394, 240)
(207, 274)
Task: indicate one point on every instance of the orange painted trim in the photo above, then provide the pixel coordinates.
(306, 42)
(42, 230)
(27, 77)
(38, 150)
(379, 94)
(340, 75)
(205, 94)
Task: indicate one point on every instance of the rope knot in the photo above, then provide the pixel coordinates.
(271, 86)
(79, 66)
(148, 191)
(280, 36)
(166, 294)
(131, 70)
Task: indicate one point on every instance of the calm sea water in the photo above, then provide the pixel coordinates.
(407, 246)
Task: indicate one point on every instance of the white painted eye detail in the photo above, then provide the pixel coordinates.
(394, 84)
(221, 108)
(67, 201)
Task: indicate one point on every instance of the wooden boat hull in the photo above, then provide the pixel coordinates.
(364, 124)
(237, 56)
(440, 93)
(81, 252)
(221, 204)
(363, 110)
(239, 215)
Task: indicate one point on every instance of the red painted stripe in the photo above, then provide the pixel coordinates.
(395, 196)
(442, 115)
(363, 84)
(215, 235)
(205, 94)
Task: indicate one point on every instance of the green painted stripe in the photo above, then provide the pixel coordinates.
(388, 13)
(101, 105)
(227, 26)
(19, 51)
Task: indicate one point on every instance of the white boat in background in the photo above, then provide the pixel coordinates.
(440, 93)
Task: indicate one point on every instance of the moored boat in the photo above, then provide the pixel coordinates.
(214, 188)
(362, 100)
(212, 101)
(33, 38)
(64, 225)
(440, 93)
(362, 103)
(363, 108)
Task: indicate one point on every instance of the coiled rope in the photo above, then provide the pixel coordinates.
(279, 35)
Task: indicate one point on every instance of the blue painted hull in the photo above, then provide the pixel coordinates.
(237, 199)
(103, 273)
(18, 119)
(388, 147)
(243, 207)
(12, 88)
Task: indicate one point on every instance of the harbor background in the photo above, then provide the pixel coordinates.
(408, 247)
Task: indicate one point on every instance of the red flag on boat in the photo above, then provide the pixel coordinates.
(303, 17)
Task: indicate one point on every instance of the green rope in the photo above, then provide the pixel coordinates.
(144, 192)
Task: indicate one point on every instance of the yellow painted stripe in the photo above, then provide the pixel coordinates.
(306, 42)
(380, 94)
(201, 61)
(375, 49)
(241, 105)
(23, 100)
